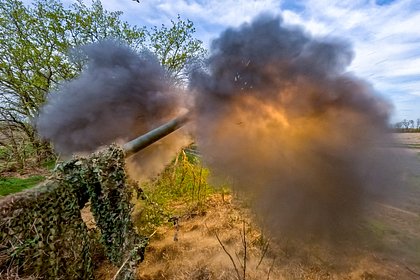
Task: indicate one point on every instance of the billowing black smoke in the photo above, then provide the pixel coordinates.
(278, 114)
(119, 95)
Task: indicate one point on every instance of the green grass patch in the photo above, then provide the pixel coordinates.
(181, 189)
(14, 185)
(49, 164)
(378, 228)
(391, 240)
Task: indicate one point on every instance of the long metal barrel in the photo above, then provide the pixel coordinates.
(154, 135)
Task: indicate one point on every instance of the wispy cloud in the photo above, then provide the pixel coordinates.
(386, 39)
(209, 16)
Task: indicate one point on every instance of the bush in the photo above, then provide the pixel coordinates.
(183, 182)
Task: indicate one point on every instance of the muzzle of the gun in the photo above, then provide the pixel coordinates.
(154, 135)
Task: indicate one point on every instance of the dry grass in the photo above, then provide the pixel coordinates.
(408, 138)
(198, 255)
(209, 243)
(12, 275)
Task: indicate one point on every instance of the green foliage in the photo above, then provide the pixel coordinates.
(182, 183)
(34, 46)
(35, 43)
(89, 24)
(175, 46)
(12, 185)
(49, 164)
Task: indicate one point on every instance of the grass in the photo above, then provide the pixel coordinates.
(378, 228)
(181, 189)
(49, 164)
(393, 241)
(13, 185)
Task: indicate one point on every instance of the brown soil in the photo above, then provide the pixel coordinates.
(198, 255)
(28, 172)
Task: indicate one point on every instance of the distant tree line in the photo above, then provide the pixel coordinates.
(407, 126)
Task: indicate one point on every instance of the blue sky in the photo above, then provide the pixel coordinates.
(385, 34)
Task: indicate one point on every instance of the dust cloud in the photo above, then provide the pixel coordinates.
(279, 116)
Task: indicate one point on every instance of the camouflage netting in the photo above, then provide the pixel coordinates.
(42, 234)
(41, 230)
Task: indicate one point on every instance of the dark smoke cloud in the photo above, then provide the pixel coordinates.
(278, 115)
(119, 95)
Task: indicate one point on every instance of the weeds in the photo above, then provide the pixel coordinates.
(229, 255)
(180, 190)
(13, 275)
(265, 247)
(243, 256)
(13, 185)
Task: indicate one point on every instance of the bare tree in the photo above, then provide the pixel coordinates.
(412, 124)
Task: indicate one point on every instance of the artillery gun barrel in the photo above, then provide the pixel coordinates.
(154, 135)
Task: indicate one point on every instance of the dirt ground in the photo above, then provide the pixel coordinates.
(213, 245)
(197, 253)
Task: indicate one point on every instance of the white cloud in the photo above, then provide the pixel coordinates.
(386, 40)
(209, 16)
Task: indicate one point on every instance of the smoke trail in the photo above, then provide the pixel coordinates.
(278, 114)
(120, 94)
